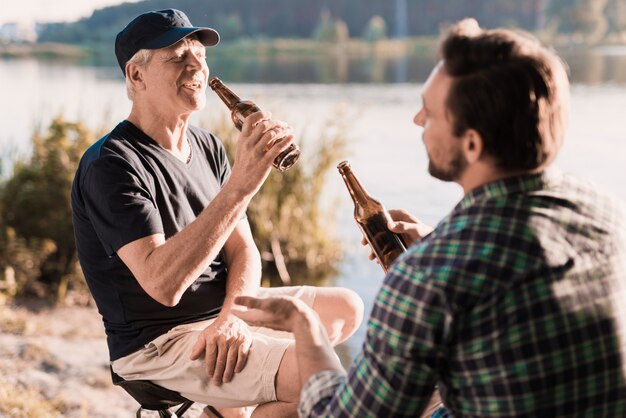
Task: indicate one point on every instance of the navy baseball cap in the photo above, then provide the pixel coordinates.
(158, 29)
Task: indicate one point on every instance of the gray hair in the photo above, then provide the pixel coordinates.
(141, 58)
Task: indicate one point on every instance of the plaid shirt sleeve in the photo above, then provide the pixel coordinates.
(318, 390)
(395, 373)
(322, 386)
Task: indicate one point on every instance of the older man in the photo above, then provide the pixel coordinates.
(163, 240)
(514, 304)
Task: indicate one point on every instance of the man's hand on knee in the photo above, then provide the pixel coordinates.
(226, 345)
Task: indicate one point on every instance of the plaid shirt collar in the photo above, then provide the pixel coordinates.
(510, 185)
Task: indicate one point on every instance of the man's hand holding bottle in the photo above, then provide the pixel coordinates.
(408, 227)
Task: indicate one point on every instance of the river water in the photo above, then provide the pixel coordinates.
(385, 146)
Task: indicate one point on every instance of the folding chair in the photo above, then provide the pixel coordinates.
(153, 397)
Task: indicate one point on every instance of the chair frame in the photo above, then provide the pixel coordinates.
(153, 397)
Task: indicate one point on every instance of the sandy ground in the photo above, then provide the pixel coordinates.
(60, 355)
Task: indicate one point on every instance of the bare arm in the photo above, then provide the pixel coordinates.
(244, 265)
(226, 342)
(165, 269)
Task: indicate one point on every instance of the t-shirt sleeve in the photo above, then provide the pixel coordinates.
(223, 165)
(119, 203)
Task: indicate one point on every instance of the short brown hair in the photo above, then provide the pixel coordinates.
(510, 89)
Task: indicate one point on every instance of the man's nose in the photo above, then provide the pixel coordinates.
(195, 62)
(418, 119)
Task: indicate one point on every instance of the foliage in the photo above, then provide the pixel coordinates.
(375, 30)
(299, 19)
(585, 17)
(288, 211)
(616, 12)
(329, 29)
(37, 250)
(588, 20)
(232, 27)
(36, 236)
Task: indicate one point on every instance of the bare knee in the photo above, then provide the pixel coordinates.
(288, 377)
(340, 310)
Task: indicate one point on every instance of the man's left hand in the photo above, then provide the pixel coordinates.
(226, 345)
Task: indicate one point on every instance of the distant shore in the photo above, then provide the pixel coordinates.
(42, 50)
(101, 54)
(352, 47)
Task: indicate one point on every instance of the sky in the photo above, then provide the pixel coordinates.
(29, 11)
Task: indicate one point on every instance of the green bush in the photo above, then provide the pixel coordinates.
(36, 237)
(329, 29)
(375, 30)
(37, 250)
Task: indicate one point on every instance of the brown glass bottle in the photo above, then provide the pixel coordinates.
(240, 109)
(372, 218)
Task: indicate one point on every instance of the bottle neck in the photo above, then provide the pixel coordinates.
(224, 93)
(357, 191)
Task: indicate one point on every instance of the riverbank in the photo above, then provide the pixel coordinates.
(354, 48)
(54, 363)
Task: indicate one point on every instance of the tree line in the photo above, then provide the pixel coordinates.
(301, 18)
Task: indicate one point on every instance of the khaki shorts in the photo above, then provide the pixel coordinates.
(165, 361)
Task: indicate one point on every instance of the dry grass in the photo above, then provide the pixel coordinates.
(36, 354)
(17, 401)
(71, 322)
(13, 321)
(47, 368)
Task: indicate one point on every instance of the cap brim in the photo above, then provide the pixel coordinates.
(207, 36)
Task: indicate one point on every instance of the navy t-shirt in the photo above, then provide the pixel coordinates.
(128, 187)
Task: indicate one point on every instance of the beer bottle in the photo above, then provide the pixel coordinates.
(372, 217)
(240, 109)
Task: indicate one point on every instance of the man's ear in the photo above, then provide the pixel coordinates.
(472, 143)
(135, 75)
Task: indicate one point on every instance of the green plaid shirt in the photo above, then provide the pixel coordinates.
(514, 306)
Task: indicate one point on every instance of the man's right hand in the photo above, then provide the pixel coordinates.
(261, 140)
(407, 225)
(226, 346)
